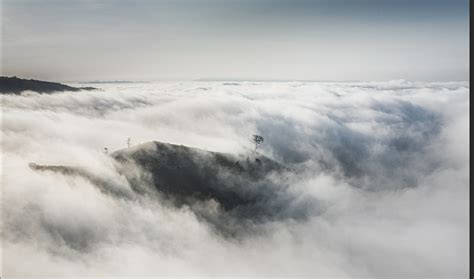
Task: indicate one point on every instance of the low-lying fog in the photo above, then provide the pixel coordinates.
(381, 172)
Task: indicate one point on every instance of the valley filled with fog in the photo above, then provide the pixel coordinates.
(367, 179)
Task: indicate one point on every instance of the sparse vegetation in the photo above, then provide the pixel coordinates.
(257, 140)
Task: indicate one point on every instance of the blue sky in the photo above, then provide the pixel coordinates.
(240, 39)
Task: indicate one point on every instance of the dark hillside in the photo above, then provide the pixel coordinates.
(232, 192)
(14, 85)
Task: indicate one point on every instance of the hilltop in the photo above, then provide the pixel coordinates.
(186, 174)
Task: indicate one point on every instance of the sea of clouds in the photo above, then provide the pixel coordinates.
(385, 166)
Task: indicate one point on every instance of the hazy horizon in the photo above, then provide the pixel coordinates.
(111, 81)
(85, 40)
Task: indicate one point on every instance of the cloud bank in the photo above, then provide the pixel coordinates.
(379, 170)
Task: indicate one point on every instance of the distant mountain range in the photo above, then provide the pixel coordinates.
(111, 82)
(15, 85)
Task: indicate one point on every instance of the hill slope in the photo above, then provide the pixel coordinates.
(14, 85)
(232, 192)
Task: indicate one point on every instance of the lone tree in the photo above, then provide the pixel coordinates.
(128, 142)
(106, 150)
(257, 139)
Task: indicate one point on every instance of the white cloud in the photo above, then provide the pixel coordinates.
(385, 161)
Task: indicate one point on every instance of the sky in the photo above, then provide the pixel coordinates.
(88, 40)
